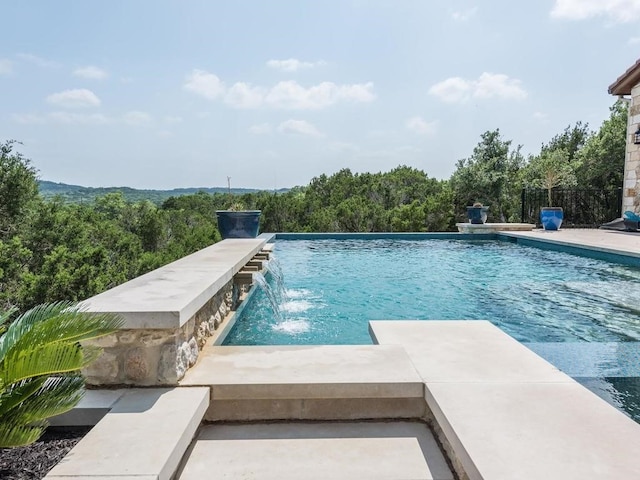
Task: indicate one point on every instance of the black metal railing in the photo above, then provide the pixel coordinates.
(583, 208)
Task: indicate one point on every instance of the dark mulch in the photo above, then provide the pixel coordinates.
(34, 461)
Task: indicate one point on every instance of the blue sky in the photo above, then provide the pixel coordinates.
(165, 94)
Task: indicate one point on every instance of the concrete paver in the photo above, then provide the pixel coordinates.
(610, 241)
(464, 351)
(145, 434)
(506, 431)
(391, 450)
(320, 371)
(505, 414)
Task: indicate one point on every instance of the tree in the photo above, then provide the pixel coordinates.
(602, 156)
(40, 361)
(571, 140)
(489, 176)
(549, 170)
(18, 188)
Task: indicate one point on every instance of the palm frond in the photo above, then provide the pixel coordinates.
(62, 323)
(58, 395)
(17, 435)
(19, 392)
(26, 321)
(41, 360)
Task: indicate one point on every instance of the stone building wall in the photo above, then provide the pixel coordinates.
(631, 186)
(160, 357)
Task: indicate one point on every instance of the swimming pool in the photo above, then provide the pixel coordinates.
(581, 314)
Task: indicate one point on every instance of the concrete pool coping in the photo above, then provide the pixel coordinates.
(170, 295)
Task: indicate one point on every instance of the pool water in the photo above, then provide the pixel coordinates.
(581, 314)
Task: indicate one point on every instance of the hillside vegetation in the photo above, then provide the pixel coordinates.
(78, 194)
(82, 241)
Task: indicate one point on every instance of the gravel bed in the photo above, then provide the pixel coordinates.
(34, 461)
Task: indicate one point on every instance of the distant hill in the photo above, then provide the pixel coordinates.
(79, 194)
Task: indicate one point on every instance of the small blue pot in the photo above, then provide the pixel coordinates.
(477, 215)
(242, 224)
(551, 217)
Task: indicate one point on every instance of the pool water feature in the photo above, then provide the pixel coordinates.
(562, 306)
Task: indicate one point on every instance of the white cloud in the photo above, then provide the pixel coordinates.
(137, 119)
(633, 41)
(291, 95)
(28, 118)
(421, 126)
(243, 95)
(78, 98)
(540, 115)
(78, 118)
(90, 72)
(491, 85)
(293, 65)
(488, 85)
(615, 10)
(260, 129)
(39, 61)
(71, 118)
(299, 127)
(464, 15)
(454, 89)
(6, 67)
(204, 84)
(286, 95)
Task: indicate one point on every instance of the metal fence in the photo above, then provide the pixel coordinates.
(583, 208)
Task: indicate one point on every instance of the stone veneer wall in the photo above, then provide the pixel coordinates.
(631, 186)
(160, 357)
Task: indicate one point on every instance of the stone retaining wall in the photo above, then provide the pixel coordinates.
(160, 357)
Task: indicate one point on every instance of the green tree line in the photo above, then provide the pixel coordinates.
(53, 250)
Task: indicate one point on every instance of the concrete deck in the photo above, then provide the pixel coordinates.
(390, 450)
(608, 241)
(506, 413)
(145, 435)
(167, 297)
(308, 382)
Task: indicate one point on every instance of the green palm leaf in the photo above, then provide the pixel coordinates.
(56, 396)
(40, 360)
(17, 435)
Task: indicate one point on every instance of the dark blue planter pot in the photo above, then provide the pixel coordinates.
(477, 215)
(551, 217)
(242, 224)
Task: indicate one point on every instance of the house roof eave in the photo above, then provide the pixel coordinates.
(626, 81)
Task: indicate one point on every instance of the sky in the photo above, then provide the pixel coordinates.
(168, 94)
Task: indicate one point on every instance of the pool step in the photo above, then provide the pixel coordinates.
(389, 450)
(144, 436)
(323, 382)
(504, 413)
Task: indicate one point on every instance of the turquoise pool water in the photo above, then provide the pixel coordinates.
(334, 287)
(581, 314)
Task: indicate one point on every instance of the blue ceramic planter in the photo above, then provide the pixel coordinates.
(477, 215)
(551, 217)
(241, 224)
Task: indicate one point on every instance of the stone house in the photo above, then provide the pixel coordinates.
(628, 84)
